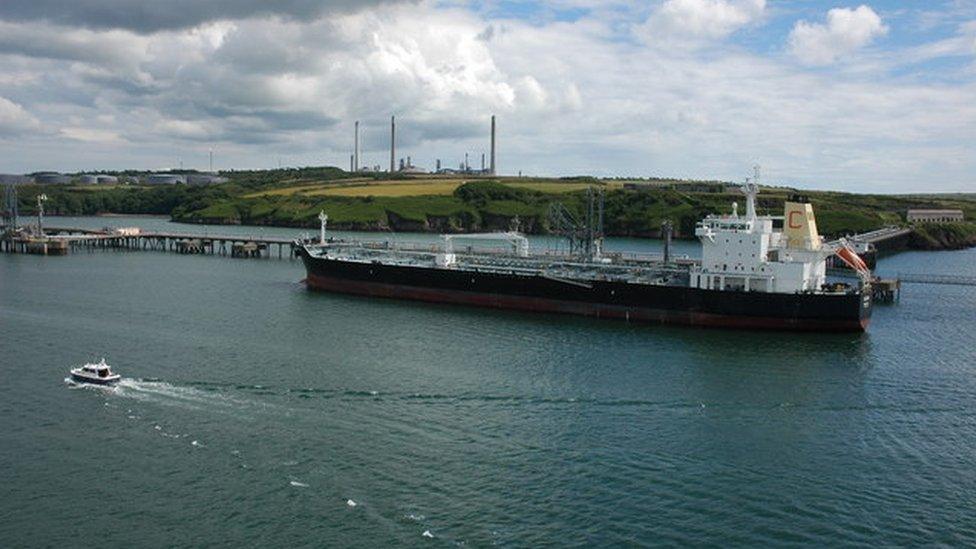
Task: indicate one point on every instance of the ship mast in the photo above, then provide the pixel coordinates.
(751, 189)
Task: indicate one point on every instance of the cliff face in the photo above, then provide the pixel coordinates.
(943, 236)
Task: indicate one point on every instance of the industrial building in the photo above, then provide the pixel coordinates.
(165, 179)
(464, 167)
(406, 166)
(934, 216)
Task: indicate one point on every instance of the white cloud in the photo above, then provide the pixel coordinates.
(14, 120)
(691, 20)
(92, 135)
(846, 30)
(571, 97)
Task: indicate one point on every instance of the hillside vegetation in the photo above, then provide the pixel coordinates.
(294, 197)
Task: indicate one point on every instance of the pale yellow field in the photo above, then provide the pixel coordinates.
(305, 188)
(409, 187)
(393, 188)
(549, 187)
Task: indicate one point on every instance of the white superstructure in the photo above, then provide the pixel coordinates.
(745, 253)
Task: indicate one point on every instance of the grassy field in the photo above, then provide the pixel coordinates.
(451, 203)
(362, 187)
(433, 187)
(549, 187)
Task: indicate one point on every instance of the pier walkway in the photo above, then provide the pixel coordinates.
(880, 235)
(923, 278)
(59, 240)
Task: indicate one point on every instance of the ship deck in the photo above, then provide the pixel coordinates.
(614, 266)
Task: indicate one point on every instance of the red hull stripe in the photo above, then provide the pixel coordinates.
(536, 304)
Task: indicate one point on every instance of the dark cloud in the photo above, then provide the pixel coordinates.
(154, 15)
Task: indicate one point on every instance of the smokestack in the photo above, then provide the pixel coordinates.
(482, 162)
(392, 144)
(352, 163)
(492, 144)
(355, 154)
(438, 165)
(467, 166)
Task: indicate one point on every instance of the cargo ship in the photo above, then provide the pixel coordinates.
(755, 272)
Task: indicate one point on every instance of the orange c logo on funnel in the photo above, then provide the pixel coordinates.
(792, 224)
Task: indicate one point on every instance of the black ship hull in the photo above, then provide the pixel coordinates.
(849, 312)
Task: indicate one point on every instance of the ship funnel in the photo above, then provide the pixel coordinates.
(800, 225)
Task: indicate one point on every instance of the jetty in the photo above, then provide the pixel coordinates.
(59, 240)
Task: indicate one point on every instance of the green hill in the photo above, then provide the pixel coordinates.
(293, 198)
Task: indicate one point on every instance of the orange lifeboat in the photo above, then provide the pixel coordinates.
(853, 261)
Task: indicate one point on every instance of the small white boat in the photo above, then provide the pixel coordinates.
(99, 374)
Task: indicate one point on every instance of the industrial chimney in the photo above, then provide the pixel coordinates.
(492, 144)
(355, 154)
(392, 144)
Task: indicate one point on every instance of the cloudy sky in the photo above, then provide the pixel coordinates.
(874, 97)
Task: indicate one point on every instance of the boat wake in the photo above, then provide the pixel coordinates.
(161, 392)
(73, 384)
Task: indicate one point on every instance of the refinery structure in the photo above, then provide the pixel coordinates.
(404, 164)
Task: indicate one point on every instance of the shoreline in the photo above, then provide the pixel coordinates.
(924, 237)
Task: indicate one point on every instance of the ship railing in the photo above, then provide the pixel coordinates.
(614, 257)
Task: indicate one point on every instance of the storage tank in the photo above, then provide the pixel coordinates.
(165, 179)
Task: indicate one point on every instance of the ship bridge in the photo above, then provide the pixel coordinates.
(745, 253)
